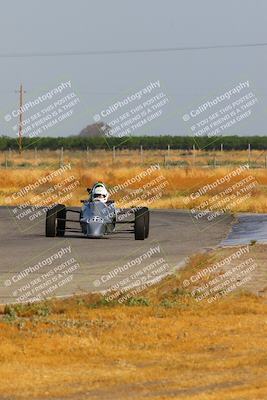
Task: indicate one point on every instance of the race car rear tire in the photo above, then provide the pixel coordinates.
(141, 224)
(53, 226)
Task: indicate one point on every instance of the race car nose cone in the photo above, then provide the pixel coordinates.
(95, 229)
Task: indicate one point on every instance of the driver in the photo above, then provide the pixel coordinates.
(99, 193)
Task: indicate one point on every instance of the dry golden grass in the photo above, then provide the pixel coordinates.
(163, 345)
(170, 347)
(180, 181)
(130, 158)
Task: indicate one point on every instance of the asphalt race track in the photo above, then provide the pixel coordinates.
(32, 265)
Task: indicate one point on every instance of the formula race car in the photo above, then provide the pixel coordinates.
(97, 218)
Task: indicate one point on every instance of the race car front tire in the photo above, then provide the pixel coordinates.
(61, 220)
(55, 221)
(146, 214)
(141, 224)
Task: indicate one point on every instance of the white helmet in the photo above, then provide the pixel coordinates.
(99, 193)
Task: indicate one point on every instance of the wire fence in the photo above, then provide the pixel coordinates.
(191, 158)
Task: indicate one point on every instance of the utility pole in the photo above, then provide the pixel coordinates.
(21, 91)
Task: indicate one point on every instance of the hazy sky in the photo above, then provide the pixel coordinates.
(188, 78)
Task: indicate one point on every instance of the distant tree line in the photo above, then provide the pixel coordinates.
(148, 142)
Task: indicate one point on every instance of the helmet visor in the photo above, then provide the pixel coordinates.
(99, 196)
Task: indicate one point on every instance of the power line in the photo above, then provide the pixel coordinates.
(131, 51)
